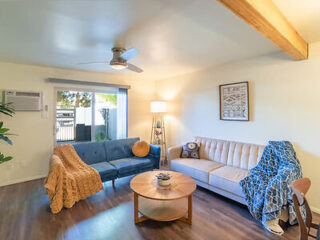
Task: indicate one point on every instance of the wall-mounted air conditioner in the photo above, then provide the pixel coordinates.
(24, 101)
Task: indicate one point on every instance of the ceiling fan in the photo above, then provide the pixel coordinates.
(120, 59)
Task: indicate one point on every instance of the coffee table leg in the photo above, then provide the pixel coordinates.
(189, 218)
(190, 209)
(137, 219)
(136, 213)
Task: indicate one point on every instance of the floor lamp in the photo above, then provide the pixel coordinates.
(158, 132)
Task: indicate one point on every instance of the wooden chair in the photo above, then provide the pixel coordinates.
(300, 187)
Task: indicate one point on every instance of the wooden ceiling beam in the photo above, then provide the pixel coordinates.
(267, 19)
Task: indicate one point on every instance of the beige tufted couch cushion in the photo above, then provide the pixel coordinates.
(196, 168)
(236, 154)
(228, 178)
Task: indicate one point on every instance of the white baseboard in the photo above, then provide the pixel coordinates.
(20, 180)
(316, 210)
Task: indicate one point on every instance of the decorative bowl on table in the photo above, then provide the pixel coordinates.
(164, 179)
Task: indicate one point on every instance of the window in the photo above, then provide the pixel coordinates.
(86, 115)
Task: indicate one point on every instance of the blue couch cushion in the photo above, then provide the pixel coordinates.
(133, 164)
(106, 170)
(121, 148)
(91, 152)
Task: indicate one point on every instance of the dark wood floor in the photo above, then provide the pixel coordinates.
(25, 214)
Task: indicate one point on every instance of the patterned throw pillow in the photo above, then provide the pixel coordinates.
(190, 150)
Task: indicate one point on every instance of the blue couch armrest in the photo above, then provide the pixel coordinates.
(155, 153)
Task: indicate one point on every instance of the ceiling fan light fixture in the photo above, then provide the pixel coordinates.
(120, 58)
(117, 62)
(118, 66)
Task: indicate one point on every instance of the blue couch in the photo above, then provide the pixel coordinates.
(114, 159)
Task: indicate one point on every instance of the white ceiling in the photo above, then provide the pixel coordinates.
(173, 37)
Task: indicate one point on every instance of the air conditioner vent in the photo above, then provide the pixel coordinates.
(24, 101)
(28, 94)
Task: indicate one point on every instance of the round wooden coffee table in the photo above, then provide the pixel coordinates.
(162, 203)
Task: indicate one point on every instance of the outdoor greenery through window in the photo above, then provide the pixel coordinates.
(83, 116)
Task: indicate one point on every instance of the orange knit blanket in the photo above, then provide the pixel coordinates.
(70, 179)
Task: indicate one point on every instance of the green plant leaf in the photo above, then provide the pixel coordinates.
(3, 130)
(4, 159)
(6, 109)
(6, 113)
(6, 139)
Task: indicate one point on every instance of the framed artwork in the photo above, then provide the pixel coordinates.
(234, 101)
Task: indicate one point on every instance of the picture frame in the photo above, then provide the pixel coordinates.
(234, 101)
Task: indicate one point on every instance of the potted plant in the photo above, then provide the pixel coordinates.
(164, 179)
(5, 109)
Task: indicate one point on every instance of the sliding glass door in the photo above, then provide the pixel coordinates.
(105, 116)
(86, 115)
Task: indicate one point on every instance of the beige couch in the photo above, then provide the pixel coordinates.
(221, 166)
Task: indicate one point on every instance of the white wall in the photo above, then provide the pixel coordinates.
(33, 146)
(284, 105)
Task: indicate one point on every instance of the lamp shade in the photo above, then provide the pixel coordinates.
(158, 107)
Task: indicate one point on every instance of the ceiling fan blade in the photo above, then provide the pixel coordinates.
(88, 63)
(129, 54)
(134, 68)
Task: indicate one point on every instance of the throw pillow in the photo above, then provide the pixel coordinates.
(140, 149)
(190, 150)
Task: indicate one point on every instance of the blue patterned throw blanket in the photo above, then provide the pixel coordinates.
(267, 189)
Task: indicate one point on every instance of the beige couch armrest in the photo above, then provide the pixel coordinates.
(174, 152)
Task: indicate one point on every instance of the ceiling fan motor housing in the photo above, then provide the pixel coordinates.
(117, 59)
